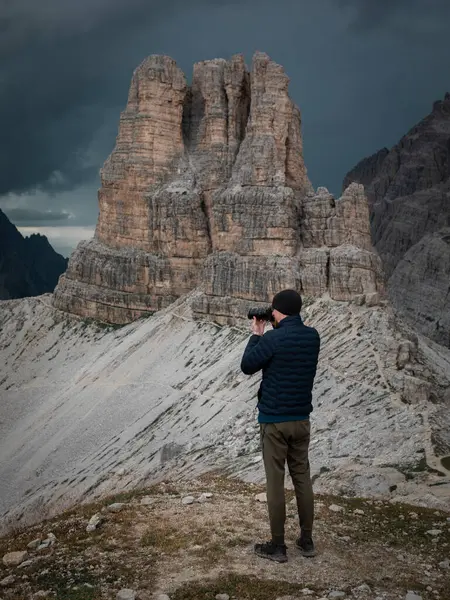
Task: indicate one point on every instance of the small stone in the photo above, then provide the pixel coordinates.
(94, 522)
(7, 581)
(50, 540)
(413, 515)
(336, 595)
(445, 564)
(188, 500)
(13, 559)
(261, 497)
(434, 532)
(336, 508)
(126, 594)
(345, 538)
(307, 592)
(120, 472)
(208, 495)
(41, 594)
(161, 597)
(429, 588)
(203, 498)
(358, 511)
(222, 597)
(147, 501)
(412, 596)
(372, 299)
(363, 589)
(116, 507)
(25, 564)
(34, 544)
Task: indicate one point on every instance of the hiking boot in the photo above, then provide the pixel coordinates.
(306, 546)
(275, 552)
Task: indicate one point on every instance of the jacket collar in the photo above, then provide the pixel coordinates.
(290, 321)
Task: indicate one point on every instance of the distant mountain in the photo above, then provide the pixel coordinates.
(28, 266)
(409, 193)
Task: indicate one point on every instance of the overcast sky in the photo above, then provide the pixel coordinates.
(362, 71)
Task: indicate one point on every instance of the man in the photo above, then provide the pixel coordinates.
(288, 357)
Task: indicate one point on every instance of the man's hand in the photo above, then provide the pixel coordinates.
(258, 326)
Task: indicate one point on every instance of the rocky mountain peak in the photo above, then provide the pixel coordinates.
(28, 266)
(207, 188)
(408, 188)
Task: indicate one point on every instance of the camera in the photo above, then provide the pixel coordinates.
(262, 314)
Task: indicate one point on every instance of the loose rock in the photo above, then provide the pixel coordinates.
(335, 595)
(7, 581)
(34, 544)
(336, 508)
(358, 511)
(413, 596)
(372, 299)
(94, 522)
(362, 589)
(50, 540)
(434, 532)
(147, 501)
(13, 559)
(116, 507)
(261, 497)
(222, 597)
(188, 500)
(25, 564)
(162, 597)
(445, 564)
(126, 594)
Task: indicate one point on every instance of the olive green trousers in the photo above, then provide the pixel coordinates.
(281, 443)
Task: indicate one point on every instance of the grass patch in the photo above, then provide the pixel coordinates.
(171, 539)
(225, 484)
(241, 586)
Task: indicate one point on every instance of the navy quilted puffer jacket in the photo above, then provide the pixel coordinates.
(288, 358)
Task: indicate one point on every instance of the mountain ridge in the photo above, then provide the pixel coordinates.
(408, 188)
(29, 266)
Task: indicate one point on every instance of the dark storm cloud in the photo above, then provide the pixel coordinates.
(26, 215)
(373, 14)
(56, 61)
(362, 71)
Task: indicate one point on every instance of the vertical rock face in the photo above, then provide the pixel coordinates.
(409, 193)
(207, 188)
(147, 147)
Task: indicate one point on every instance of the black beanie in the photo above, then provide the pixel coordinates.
(287, 302)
